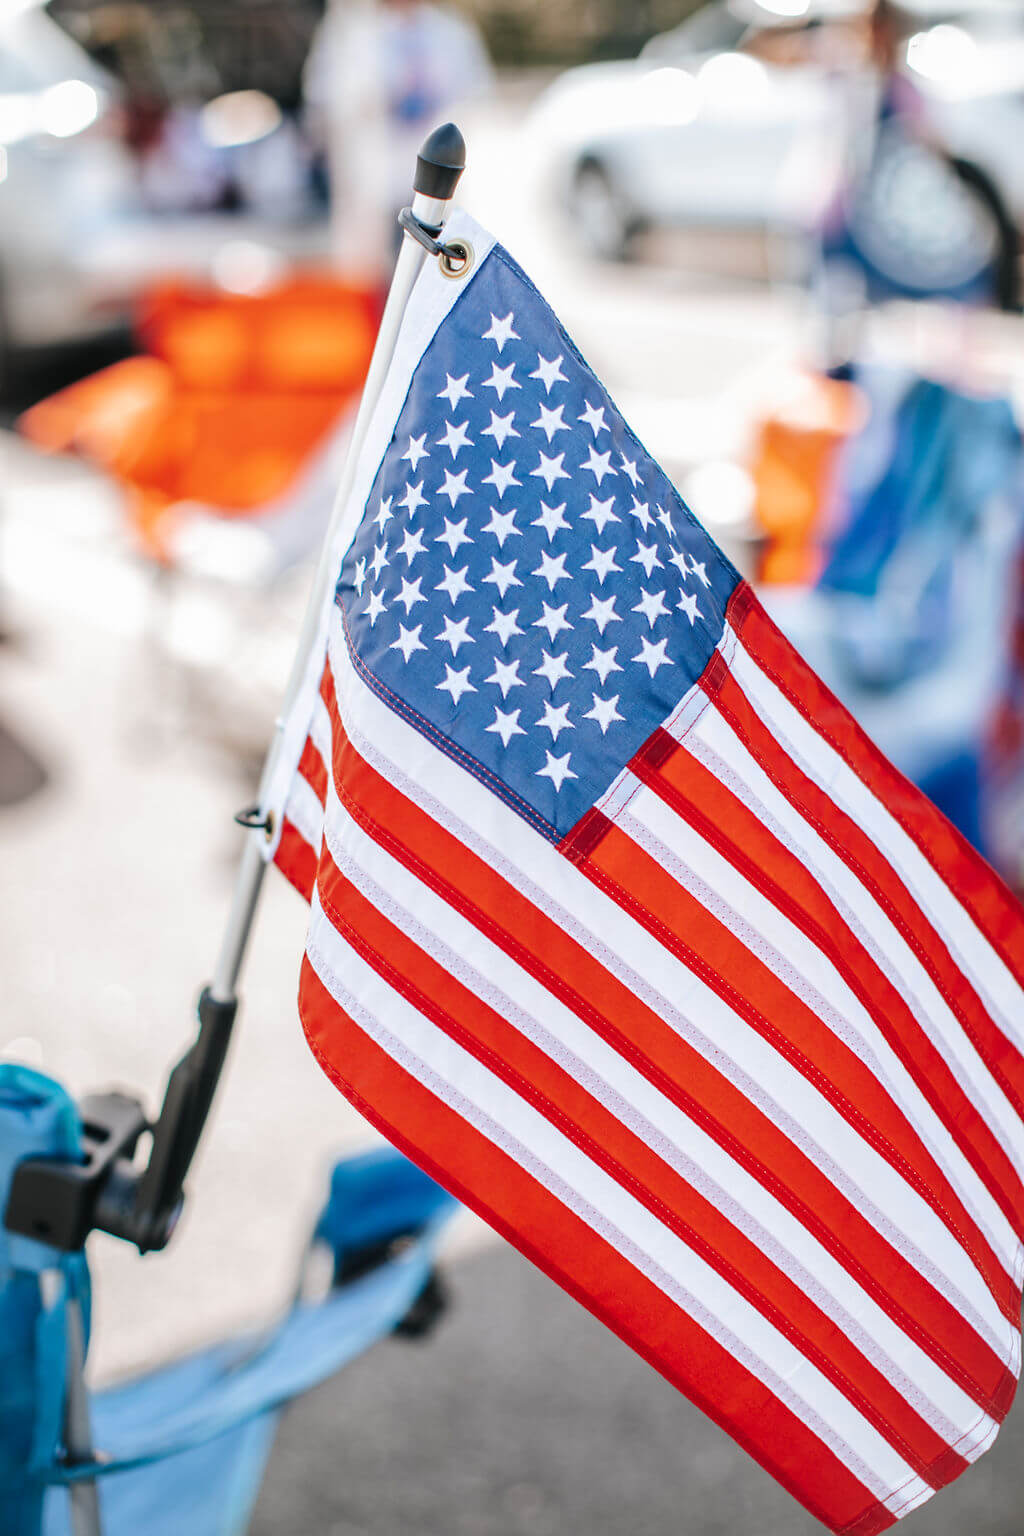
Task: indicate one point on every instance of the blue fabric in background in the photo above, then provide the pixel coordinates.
(184, 1446)
(899, 550)
(37, 1120)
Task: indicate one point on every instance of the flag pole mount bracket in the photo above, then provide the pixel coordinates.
(455, 257)
(59, 1202)
(255, 820)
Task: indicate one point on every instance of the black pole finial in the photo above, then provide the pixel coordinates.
(440, 163)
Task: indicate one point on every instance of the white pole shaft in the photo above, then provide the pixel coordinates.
(249, 880)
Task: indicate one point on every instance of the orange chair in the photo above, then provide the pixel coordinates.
(795, 466)
(235, 394)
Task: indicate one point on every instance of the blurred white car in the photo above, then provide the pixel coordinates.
(65, 175)
(700, 130)
(83, 227)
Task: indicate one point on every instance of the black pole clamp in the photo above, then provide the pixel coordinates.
(255, 820)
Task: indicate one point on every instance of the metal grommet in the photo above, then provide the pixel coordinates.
(456, 258)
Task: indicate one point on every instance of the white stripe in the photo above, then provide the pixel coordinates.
(988, 973)
(874, 929)
(487, 1103)
(480, 820)
(505, 986)
(806, 970)
(305, 812)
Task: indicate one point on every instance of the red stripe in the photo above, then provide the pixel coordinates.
(456, 1010)
(865, 860)
(976, 885)
(1003, 1059)
(685, 927)
(571, 1253)
(314, 770)
(296, 860)
(472, 887)
(694, 793)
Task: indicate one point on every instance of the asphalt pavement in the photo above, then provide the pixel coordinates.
(523, 1416)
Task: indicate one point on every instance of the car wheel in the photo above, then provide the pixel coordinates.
(604, 222)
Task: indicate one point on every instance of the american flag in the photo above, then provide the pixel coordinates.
(626, 933)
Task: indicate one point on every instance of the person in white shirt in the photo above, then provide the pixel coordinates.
(380, 75)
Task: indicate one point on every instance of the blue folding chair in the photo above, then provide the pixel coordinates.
(183, 1447)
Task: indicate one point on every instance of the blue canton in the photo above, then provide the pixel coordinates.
(526, 586)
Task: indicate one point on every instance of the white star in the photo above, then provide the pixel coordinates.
(506, 725)
(412, 545)
(454, 536)
(455, 634)
(665, 519)
(501, 380)
(501, 331)
(408, 641)
(416, 451)
(550, 470)
(653, 656)
(603, 613)
(599, 464)
(455, 438)
(601, 562)
(455, 390)
(502, 525)
(550, 422)
(688, 605)
(505, 675)
(504, 625)
(652, 606)
(629, 468)
(456, 683)
(604, 712)
(553, 620)
(551, 569)
(375, 607)
(594, 417)
(360, 576)
(602, 662)
(553, 668)
(503, 576)
(410, 593)
(385, 514)
(380, 559)
(642, 512)
(551, 520)
(682, 565)
(600, 512)
(500, 428)
(413, 498)
(501, 477)
(549, 371)
(556, 769)
(700, 571)
(454, 583)
(647, 556)
(454, 485)
(556, 720)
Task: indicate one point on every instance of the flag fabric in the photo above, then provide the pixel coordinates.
(624, 931)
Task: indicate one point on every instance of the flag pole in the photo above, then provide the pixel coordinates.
(141, 1205)
(439, 165)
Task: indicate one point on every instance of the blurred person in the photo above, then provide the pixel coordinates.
(380, 75)
(908, 219)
